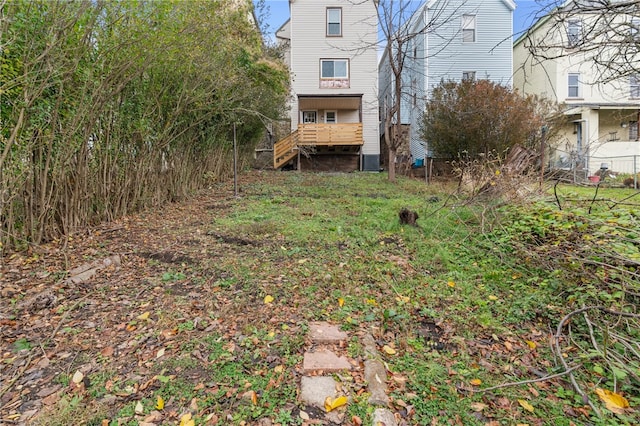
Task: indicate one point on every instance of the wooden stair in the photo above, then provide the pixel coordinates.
(285, 149)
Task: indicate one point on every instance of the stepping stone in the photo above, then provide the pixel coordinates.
(323, 332)
(314, 390)
(324, 360)
(375, 374)
(384, 416)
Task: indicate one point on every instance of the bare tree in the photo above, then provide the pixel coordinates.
(605, 33)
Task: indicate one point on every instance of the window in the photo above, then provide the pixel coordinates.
(574, 32)
(635, 28)
(334, 22)
(331, 117)
(468, 28)
(469, 75)
(574, 85)
(634, 86)
(334, 68)
(633, 130)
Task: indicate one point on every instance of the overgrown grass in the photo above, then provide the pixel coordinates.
(470, 299)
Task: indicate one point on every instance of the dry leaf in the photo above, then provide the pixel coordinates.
(139, 408)
(340, 302)
(332, 404)
(304, 415)
(478, 406)
(77, 377)
(186, 420)
(532, 345)
(388, 350)
(160, 403)
(144, 316)
(160, 353)
(476, 382)
(278, 368)
(492, 297)
(524, 404)
(451, 284)
(268, 299)
(613, 401)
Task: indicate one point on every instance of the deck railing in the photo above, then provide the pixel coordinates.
(316, 134)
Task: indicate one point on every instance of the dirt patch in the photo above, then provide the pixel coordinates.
(229, 239)
(168, 257)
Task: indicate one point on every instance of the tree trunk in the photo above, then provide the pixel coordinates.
(392, 164)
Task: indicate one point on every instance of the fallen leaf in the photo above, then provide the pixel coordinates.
(356, 420)
(268, 299)
(77, 377)
(301, 261)
(160, 403)
(476, 382)
(278, 368)
(451, 284)
(107, 352)
(139, 408)
(144, 316)
(492, 297)
(532, 345)
(340, 302)
(524, 404)
(331, 404)
(160, 353)
(613, 401)
(388, 350)
(478, 406)
(186, 420)
(304, 415)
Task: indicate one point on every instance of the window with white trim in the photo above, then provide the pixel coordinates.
(634, 86)
(334, 68)
(334, 22)
(634, 28)
(468, 28)
(573, 85)
(469, 75)
(574, 32)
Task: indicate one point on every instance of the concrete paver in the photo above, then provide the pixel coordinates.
(324, 360)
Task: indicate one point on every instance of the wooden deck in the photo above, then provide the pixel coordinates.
(316, 134)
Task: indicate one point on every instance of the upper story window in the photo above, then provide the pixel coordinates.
(334, 22)
(574, 86)
(334, 68)
(468, 28)
(634, 86)
(633, 130)
(634, 28)
(574, 32)
(469, 75)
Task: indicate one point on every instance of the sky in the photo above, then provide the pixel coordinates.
(523, 16)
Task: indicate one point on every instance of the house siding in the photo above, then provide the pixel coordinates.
(309, 44)
(442, 55)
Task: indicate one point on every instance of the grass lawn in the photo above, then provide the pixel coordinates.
(208, 311)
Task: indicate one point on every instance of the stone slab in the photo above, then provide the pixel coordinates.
(314, 390)
(324, 360)
(382, 416)
(375, 374)
(323, 332)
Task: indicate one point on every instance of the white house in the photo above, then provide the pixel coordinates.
(602, 111)
(331, 52)
(449, 40)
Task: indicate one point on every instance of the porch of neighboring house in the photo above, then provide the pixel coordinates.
(328, 135)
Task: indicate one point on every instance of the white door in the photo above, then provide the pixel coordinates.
(309, 117)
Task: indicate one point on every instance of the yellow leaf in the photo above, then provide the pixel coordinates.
(497, 172)
(613, 401)
(371, 302)
(476, 382)
(451, 284)
(160, 403)
(403, 299)
(492, 297)
(278, 368)
(301, 261)
(340, 302)
(144, 316)
(186, 420)
(388, 350)
(332, 404)
(268, 299)
(532, 345)
(524, 404)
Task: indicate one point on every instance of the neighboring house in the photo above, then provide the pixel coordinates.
(330, 47)
(453, 40)
(601, 118)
